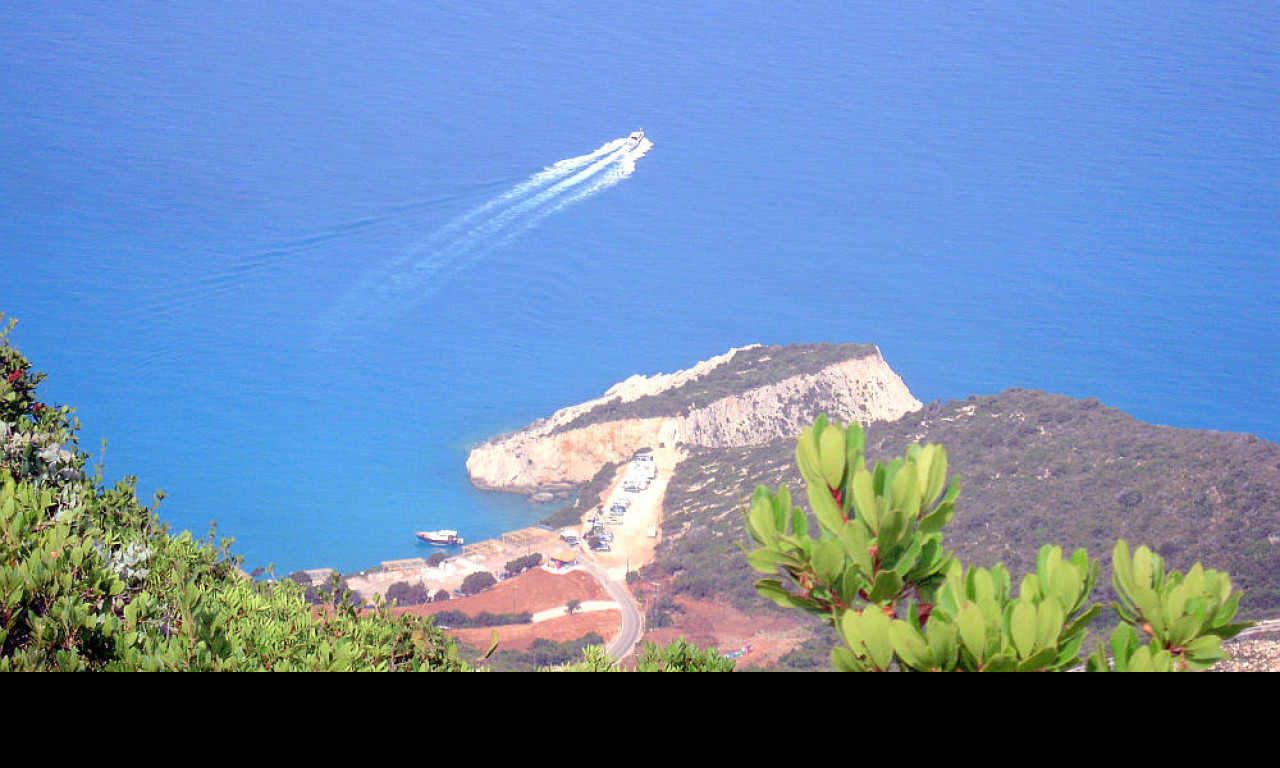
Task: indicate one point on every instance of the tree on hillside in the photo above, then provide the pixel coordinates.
(878, 573)
(522, 564)
(404, 593)
(478, 582)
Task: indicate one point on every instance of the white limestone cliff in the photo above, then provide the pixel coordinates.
(546, 454)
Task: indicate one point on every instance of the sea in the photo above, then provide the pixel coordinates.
(291, 260)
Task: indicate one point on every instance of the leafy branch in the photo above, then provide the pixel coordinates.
(876, 569)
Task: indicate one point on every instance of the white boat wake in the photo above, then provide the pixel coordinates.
(423, 269)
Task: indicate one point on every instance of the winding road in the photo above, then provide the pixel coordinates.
(625, 643)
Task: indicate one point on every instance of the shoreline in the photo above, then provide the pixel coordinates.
(635, 539)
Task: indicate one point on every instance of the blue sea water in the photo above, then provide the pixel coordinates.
(260, 245)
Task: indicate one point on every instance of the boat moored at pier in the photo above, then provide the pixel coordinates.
(442, 537)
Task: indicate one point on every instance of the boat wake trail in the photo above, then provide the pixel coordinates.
(424, 268)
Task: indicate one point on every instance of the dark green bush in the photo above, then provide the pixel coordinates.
(478, 582)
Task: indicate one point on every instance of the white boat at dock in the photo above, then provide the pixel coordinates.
(442, 537)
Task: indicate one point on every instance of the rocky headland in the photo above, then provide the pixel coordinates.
(747, 396)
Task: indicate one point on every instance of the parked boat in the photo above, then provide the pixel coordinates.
(442, 537)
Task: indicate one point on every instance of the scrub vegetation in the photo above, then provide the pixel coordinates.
(749, 369)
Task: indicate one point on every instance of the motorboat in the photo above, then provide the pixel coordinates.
(634, 139)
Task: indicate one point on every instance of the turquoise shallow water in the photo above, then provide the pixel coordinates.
(282, 257)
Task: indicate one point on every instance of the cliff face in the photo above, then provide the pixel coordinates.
(546, 454)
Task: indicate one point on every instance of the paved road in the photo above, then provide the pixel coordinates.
(626, 641)
(1267, 625)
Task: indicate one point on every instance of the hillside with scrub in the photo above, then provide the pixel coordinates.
(1033, 468)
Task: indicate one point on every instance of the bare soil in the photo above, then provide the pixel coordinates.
(519, 637)
(533, 591)
(705, 624)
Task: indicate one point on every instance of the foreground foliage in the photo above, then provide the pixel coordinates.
(676, 656)
(878, 572)
(90, 580)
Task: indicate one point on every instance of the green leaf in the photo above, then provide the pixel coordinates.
(772, 589)
(1205, 651)
(911, 646)
(1124, 643)
(887, 584)
(937, 474)
(1183, 630)
(782, 507)
(799, 523)
(868, 630)
(760, 522)
(1122, 566)
(1048, 624)
(943, 644)
(768, 560)
(939, 517)
(891, 529)
(864, 499)
(828, 560)
(855, 438)
(844, 660)
(1143, 568)
(973, 631)
(1022, 628)
(831, 447)
(857, 545)
(493, 646)
(824, 507)
(1038, 660)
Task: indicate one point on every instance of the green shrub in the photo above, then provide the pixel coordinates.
(878, 572)
(522, 564)
(454, 619)
(403, 593)
(478, 582)
(91, 580)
